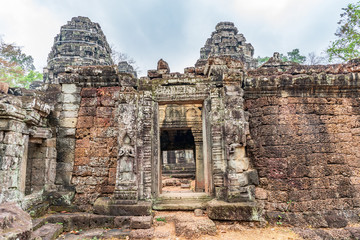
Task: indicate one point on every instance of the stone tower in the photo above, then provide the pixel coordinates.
(225, 41)
(80, 42)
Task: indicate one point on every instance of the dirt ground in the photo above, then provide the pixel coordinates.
(164, 226)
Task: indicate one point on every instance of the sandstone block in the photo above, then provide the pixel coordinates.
(105, 206)
(141, 222)
(71, 98)
(14, 222)
(68, 122)
(122, 221)
(219, 210)
(88, 92)
(70, 107)
(47, 232)
(70, 88)
(85, 122)
(87, 111)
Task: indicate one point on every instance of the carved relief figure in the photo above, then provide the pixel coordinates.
(126, 167)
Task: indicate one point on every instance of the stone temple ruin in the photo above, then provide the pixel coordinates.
(245, 143)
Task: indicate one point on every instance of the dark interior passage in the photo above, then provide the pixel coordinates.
(178, 160)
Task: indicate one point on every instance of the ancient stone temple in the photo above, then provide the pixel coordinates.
(244, 143)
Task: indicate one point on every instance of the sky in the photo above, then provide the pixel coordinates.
(175, 30)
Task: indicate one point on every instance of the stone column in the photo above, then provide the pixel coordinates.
(65, 144)
(199, 162)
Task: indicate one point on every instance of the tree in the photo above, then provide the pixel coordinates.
(119, 57)
(293, 56)
(314, 59)
(262, 60)
(16, 68)
(346, 46)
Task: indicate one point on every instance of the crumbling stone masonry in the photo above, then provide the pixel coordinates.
(278, 141)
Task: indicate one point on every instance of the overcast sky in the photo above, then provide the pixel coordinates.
(174, 30)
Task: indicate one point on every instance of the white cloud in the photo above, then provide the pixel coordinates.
(30, 25)
(174, 30)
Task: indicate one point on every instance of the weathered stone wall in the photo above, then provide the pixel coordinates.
(304, 125)
(96, 149)
(23, 118)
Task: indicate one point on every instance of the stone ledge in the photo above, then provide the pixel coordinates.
(240, 211)
(106, 206)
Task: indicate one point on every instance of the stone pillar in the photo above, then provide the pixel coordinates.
(199, 162)
(65, 145)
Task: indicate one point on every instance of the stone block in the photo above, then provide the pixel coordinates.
(71, 98)
(141, 222)
(335, 220)
(106, 206)
(13, 138)
(70, 107)
(69, 114)
(122, 221)
(88, 92)
(219, 210)
(252, 176)
(64, 167)
(85, 122)
(70, 88)
(88, 102)
(49, 231)
(194, 228)
(87, 111)
(68, 122)
(51, 142)
(14, 222)
(260, 193)
(66, 132)
(104, 111)
(66, 145)
(102, 221)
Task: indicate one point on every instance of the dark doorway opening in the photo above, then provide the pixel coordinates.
(178, 164)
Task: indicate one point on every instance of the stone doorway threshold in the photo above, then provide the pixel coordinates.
(181, 201)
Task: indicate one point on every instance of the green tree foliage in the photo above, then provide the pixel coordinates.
(293, 56)
(16, 68)
(346, 46)
(262, 60)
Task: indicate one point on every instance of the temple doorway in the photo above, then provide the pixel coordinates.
(181, 149)
(178, 164)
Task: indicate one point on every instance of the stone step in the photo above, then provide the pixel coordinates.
(237, 211)
(71, 221)
(37, 223)
(107, 206)
(48, 231)
(181, 201)
(97, 233)
(184, 196)
(183, 206)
